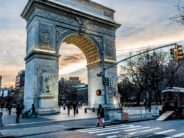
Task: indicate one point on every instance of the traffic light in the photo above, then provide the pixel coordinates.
(172, 52)
(179, 52)
(98, 92)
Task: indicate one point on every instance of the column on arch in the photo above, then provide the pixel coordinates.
(41, 77)
(94, 83)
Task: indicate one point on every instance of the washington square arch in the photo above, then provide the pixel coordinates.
(89, 26)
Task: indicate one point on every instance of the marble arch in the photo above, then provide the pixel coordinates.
(84, 23)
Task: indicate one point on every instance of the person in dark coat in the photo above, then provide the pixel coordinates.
(9, 108)
(74, 108)
(149, 106)
(2, 106)
(68, 107)
(33, 110)
(18, 112)
(100, 116)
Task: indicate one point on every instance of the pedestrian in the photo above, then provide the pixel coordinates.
(149, 106)
(2, 105)
(33, 110)
(18, 112)
(74, 108)
(100, 116)
(68, 108)
(145, 104)
(9, 108)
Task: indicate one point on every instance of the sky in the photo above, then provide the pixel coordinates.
(144, 23)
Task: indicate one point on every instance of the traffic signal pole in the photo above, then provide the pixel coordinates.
(139, 54)
(104, 85)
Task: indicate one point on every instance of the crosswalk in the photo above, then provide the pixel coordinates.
(120, 131)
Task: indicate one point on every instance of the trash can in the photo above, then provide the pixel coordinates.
(1, 121)
(93, 109)
(85, 110)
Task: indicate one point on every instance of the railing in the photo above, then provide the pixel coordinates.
(142, 112)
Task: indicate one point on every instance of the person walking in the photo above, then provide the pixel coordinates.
(9, 108)
(18, 112)
(2, 105)
(74, 108)
(33, 110)
(100, 116)
(68, 108)
(149, 106)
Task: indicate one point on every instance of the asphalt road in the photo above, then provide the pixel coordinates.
(146, 129)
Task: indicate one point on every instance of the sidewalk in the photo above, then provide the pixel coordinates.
(9, 120)
(134, 113)
(55, 123)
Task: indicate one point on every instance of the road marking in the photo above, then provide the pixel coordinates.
(133, 133)
(166, 131)
(134, 129)
(101, 129)
(102, 134)
(113, 136)
(177, 135)
(112, 129)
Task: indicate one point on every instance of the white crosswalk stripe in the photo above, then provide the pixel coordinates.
(101, 129)
(102, 134)
(109, 129)
(113, 136)
(144, 131)
(176, 135)
(164, 132)
(134, 129)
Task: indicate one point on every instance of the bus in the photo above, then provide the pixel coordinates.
(173, 100)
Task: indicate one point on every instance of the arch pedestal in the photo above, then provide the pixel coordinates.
(50, 23)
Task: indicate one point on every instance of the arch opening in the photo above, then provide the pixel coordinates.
(87, 47)
(90, 52)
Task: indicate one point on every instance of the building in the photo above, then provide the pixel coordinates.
(19, 82)
(18, 94)
(67, 89)
(1, 81)
(81, 93)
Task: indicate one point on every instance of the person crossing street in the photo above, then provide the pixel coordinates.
(100, 116)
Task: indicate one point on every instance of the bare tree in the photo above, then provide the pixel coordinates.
(179, 17)
(146, 73)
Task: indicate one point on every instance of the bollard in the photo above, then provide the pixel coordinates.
(1, 120)
(85, 110)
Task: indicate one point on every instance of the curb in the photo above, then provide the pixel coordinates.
(39, 123)
(113, 123)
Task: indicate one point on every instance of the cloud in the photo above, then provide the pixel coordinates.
(144, 23)
(74, 58)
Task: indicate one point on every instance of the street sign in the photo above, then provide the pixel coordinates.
(105, 81)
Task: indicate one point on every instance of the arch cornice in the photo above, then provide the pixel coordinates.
(58, 8)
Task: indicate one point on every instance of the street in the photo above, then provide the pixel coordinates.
(146, 129)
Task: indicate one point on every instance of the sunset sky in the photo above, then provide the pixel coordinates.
(144, 23)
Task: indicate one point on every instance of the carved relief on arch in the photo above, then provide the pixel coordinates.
(46, 75)
(46, 37)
